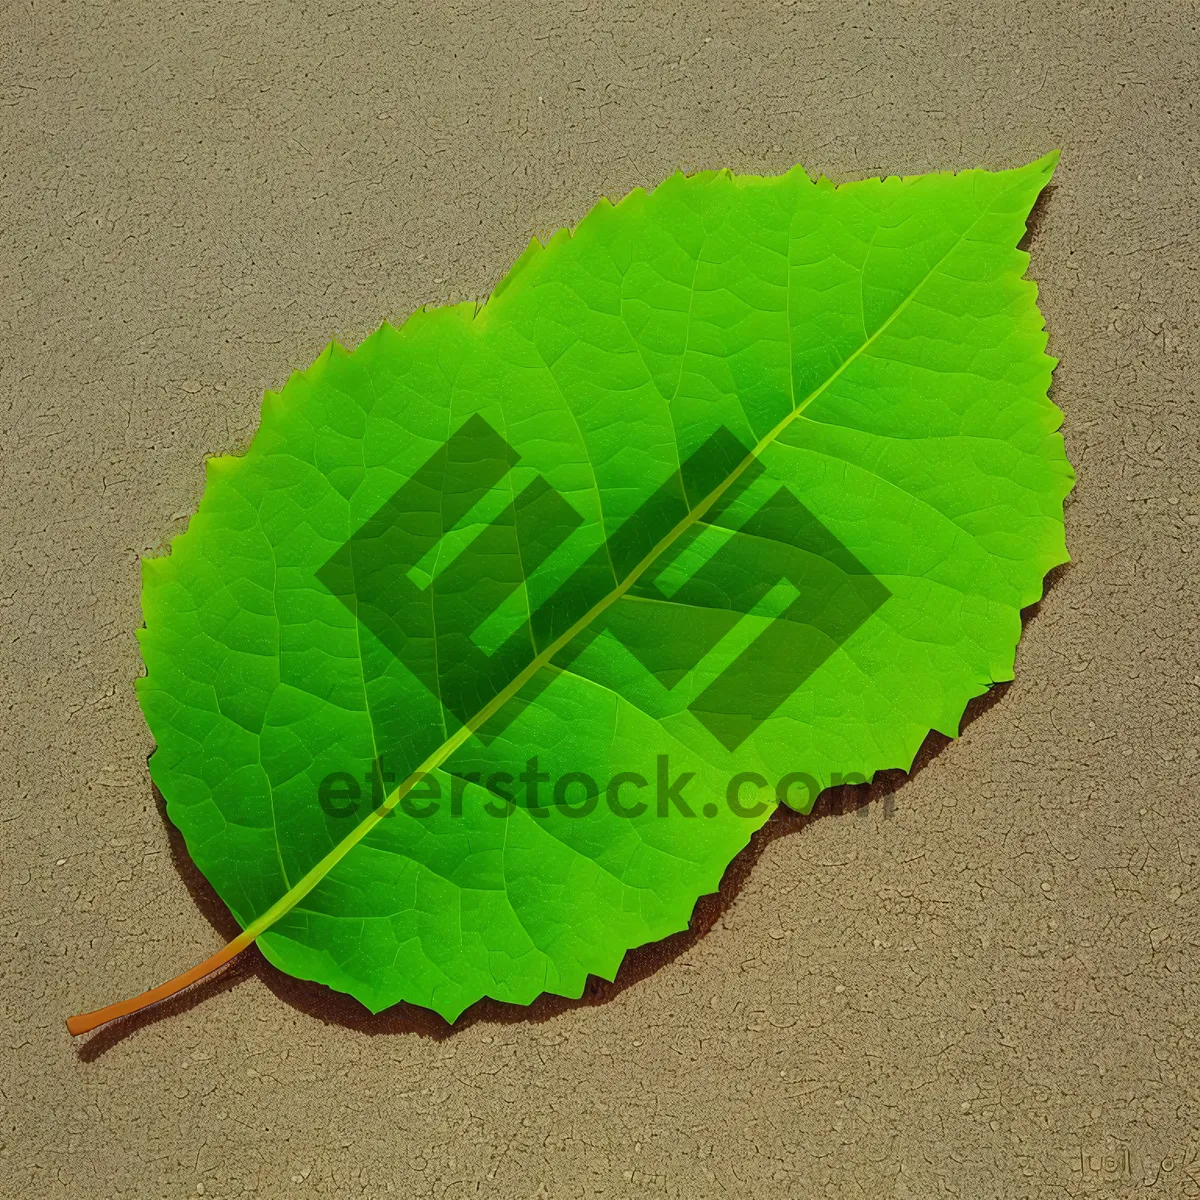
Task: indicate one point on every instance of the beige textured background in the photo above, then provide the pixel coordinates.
(953, 992)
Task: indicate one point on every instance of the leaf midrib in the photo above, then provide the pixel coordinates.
(322, 868)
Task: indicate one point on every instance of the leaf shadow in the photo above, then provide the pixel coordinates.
(1037, 217)
(335, 1008)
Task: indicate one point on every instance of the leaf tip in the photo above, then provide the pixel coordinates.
(1048, 162)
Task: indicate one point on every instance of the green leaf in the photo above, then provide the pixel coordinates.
(739, 489)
